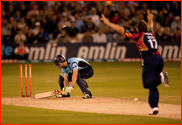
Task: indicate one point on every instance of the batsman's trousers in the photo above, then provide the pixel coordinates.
(153, 65)
(82, 75)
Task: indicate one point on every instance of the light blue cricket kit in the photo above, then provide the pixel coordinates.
(74, 63)
(85, 71)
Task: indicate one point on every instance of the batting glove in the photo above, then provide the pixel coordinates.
(69, 88)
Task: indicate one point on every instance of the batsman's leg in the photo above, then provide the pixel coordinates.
(60, 81)
(84, 87)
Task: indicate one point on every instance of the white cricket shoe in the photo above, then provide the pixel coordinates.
(87, 96)
(154, 111)
(164, 78)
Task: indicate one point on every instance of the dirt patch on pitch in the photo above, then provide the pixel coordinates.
(96, 105)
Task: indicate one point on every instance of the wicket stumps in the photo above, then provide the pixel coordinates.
(21, 80)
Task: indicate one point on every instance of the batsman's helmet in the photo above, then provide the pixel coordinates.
(59, 59)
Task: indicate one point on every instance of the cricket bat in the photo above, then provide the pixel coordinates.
(46, 94)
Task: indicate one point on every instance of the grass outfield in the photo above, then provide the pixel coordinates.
(111, 79)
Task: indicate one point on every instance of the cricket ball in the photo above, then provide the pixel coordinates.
(135, 99)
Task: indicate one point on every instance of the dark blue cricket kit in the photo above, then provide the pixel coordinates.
(152, 62)
(85, 71)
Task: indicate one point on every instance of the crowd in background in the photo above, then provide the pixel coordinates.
(79, 21)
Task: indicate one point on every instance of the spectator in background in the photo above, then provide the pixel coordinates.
(165, 37)
(85, 8)
(45, 9)
(73, 33)
(109, 34)
(83, 16)
(132, 10)
(4, 28)
(9, 35)
(34, 11)
(78, 9)
(115, 18)
(65, 21)
(169, 19)
(32, 4)
(175, 7)
(22, 24)
(157, 31)
(177, 35)
(10, 22)
(21, 51)
(121, 22)
(136, 17)
(144, 10)
(43, 37)
(70, 17)
(17, 10)
(65, 10)
(118, 38)
(26, 29)
(20, 37)
(50, 4)
(38, 17)
(17, 16)
(31, 38)
(111, 11)
(89, 25)
(62, 37)
(103, 27)
(100, 10)
(56, 10)
(106, 12)
(52, 25)
(10, 10)
(176, 23)
(43, 22)
(23, 10)
(78, 23)
(87, 38)
(28, 18)
(127, 25)
(123, 7)
(95, 18)
(36, 30)
(160, 18)
(32, 22)
(3, 13)
(14, 29)
(58, 29)
(49, 15)
(164, 11)
(100, 37)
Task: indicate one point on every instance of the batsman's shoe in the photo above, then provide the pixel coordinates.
(68, 95)
(166, 80)
(154, 111)
(87, 96)
(62, 96)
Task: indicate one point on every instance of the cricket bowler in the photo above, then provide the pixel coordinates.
(152, 74)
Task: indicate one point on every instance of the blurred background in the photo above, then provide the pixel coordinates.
(27, 24)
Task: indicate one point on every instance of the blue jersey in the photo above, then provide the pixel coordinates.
(74, 63)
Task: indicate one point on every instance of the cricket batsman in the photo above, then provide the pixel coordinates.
(75, 70)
